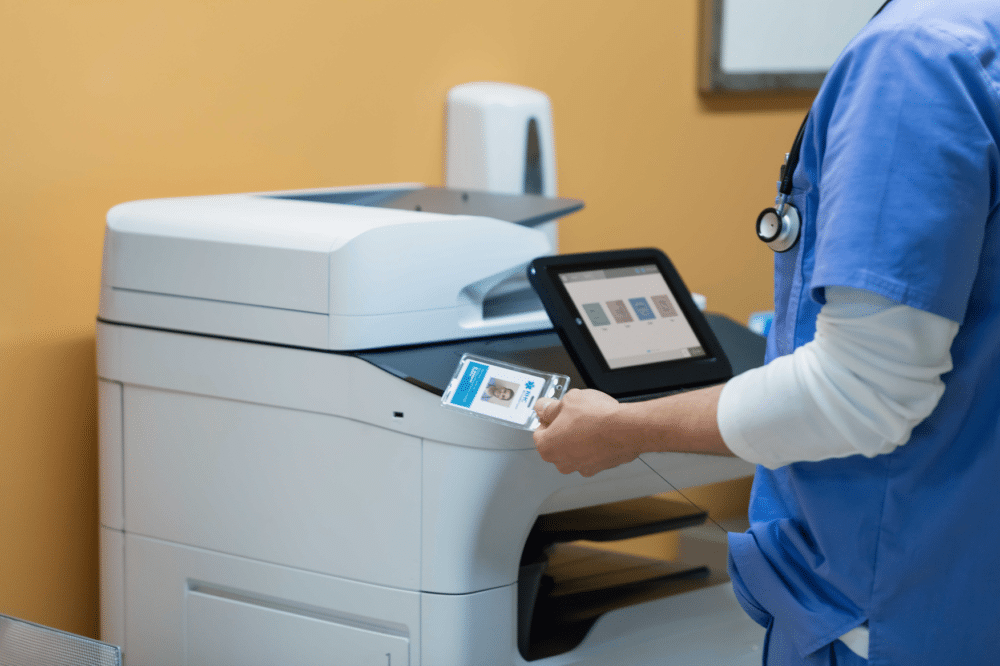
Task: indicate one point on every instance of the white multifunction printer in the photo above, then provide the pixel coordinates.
(280, 484)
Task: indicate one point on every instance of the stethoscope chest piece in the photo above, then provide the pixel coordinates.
(779, 228)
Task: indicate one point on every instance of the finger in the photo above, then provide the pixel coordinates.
(545, 451)
(565, 468)
(539, 436)
(543, 407)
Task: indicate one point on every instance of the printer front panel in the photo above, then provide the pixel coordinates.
(193, 607)
(480, 504)
(298, 379)
(307, 490)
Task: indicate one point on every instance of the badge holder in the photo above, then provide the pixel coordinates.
(501, 392)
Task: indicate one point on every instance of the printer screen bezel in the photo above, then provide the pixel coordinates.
(635, 380)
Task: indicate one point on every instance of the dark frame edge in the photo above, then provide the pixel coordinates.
(713, 80)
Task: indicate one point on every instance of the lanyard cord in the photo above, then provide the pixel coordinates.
(792, 161)
(678, 491)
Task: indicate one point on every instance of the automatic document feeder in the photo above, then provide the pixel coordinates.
(279, 483)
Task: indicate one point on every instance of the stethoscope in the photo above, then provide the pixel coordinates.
(780, 226)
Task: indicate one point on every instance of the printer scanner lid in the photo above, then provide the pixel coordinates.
(342, 269)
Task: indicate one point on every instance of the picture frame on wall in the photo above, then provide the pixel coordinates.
(774, 45)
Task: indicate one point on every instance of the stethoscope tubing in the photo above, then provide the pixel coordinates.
(785, 215)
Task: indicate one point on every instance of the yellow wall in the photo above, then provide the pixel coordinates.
(103, 102)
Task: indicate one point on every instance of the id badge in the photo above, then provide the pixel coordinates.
(501, 392)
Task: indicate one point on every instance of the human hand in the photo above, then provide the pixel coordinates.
(583, 432)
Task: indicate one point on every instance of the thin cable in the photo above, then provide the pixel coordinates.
(689, 501)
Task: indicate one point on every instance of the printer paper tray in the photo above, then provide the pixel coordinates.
(578, 584)
(588, 582)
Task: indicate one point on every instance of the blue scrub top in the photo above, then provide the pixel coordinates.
(898, 188)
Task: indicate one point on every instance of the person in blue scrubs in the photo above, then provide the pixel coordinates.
(876, 548)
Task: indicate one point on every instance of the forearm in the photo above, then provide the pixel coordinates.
(684, 422)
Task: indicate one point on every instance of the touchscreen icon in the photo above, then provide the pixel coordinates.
(619, 312)
(596, 314)
(642, 309)
(664, 306)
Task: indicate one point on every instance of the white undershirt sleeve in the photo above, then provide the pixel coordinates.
(870, 375)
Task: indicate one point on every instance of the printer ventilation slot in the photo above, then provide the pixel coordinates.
(564, 587)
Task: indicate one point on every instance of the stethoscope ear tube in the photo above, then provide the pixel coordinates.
(781, 226)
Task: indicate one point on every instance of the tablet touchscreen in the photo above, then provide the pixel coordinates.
(628, 321)
(632, 315)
